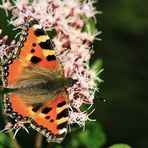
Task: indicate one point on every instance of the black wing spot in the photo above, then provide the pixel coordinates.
(39, 32)
(61, 104)
(46, 45)
(36, 107)
(62, 125)
(32, 50)
(47, 117)
(51, 58)
(51, 120)
(63, 113)
(46, 110)
(35, 60)
(34, 44)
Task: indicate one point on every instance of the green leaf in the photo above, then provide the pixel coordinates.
(52, 33)
(92, 136)
(97, 65)
(121, 145)
(89, 26)
(5, 141)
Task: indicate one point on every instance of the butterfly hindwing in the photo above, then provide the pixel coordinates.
(52, 120)
(12, 105)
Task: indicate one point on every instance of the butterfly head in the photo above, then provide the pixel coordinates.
(69, 82)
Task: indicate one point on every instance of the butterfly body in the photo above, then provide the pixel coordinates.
(35, 73)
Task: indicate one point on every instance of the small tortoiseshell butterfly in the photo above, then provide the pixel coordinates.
(37, 76)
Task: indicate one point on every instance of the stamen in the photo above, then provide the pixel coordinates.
(15, 126)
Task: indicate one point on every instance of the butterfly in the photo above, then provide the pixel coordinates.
(36, 74)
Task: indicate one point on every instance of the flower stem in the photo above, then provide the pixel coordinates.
(39, 140)
(15, 143)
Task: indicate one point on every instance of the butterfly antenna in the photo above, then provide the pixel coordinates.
(101, 99)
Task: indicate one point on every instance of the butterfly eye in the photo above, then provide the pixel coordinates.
(74, 81)
(69, 82)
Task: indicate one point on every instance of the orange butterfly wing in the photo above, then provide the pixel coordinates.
(34, 48)
(52, 120)
(37, 49)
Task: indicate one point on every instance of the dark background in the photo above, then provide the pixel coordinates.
(125, 61)
(123, 50)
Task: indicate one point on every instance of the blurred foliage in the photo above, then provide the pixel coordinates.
(92, 131)
(131, 16)
(5, 141)
(124, 26)
(120, 146)
(89, 26)
(97, 65)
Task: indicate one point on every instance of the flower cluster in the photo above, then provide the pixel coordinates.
(3, 47)
(16, 126)
(66, 17)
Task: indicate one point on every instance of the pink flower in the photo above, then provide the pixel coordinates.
(79, 117)
(3, 47)
(71, 42)
(6, 5)
(16, 126)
